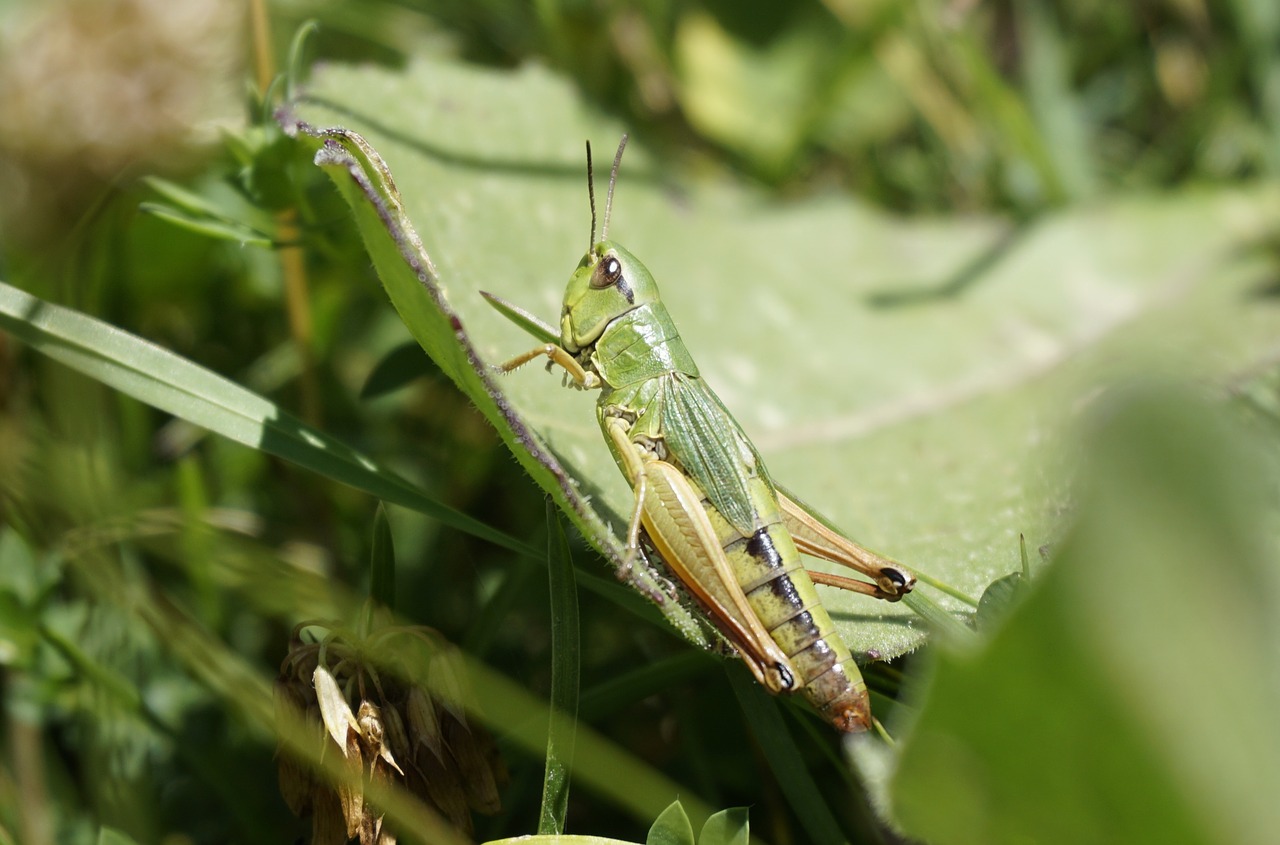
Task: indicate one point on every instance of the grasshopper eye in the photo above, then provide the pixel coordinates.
(607, 273)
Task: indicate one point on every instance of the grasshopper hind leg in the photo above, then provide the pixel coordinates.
(890, 580)
(668, 510)
(866, 588)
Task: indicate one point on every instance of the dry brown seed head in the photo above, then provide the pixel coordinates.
(424, 722)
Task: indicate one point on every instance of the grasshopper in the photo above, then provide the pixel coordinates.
(703, 498)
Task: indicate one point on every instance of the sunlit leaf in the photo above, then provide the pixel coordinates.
(1132, 696)
(908, 378)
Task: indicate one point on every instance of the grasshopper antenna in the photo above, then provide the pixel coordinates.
(591, 196)
(613, 180)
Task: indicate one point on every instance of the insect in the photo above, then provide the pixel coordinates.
(703, 498)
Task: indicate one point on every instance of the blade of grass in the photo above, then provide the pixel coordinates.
(650, 678)
(941, 622)
(382, 562)
(180, 387)
(207, 226)
(769, 729)
(566, 652)
(1049, 95)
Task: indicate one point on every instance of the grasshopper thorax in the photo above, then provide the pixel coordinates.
(608, 283)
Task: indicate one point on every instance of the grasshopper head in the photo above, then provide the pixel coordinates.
(608, 283)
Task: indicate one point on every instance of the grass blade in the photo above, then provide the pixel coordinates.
(566, 650)
(762, 715)
(180, 387)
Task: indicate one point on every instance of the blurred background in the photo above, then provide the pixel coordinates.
(144, 182)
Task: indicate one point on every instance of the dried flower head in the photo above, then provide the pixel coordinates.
(362, 698)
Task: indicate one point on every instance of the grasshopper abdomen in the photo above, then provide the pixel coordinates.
(769, 571)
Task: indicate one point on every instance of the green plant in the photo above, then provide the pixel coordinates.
(151, 574)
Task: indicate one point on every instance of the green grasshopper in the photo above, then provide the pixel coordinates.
(703, 499)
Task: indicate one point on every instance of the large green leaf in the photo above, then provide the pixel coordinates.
(907, 378)
(1133, 696)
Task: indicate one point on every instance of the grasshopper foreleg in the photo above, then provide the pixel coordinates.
(582, 377)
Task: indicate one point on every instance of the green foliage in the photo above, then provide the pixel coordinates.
(382, 563)
(937, 378)
(1101, 185)
(1128, 687)
(671, 828)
